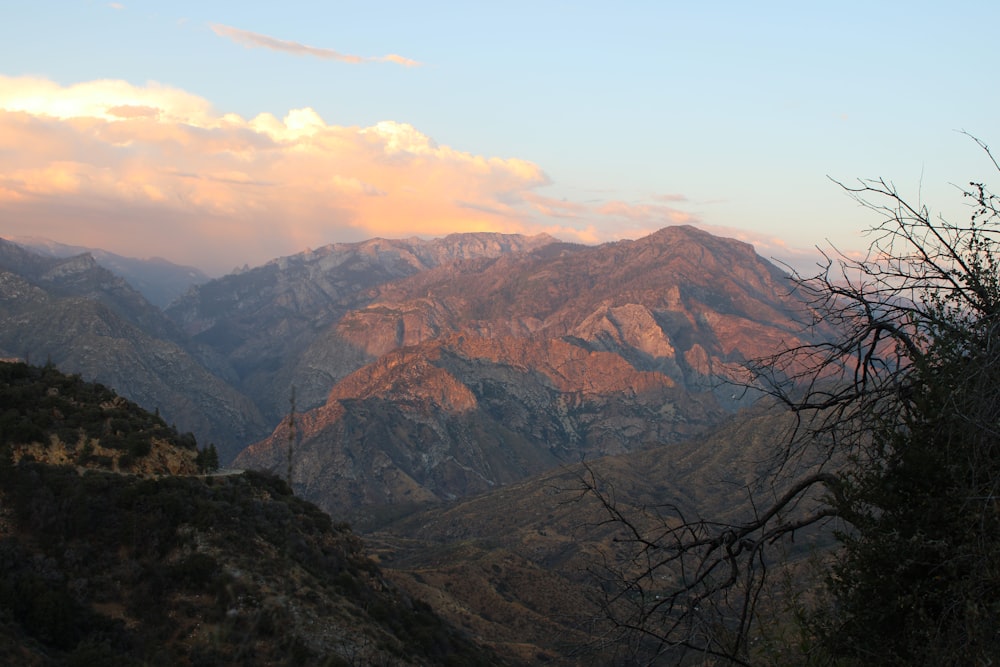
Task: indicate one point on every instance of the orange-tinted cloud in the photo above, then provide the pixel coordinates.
(647, 214)
(254, 40)
(154, 170)
(151, 170)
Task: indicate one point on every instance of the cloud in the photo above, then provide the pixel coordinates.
(133, 111)
(647, 214)
(254, 40)
(151, 170)
(555, 208)
(670, 197)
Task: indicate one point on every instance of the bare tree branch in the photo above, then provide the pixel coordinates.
(904, 369)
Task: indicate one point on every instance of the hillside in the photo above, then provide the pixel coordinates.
(101, 568)
(221, 362)
(158, 280)
(521, 566)
(84, 319)
(482, 372)
(564, 350)
(269, 322)
(54, 418)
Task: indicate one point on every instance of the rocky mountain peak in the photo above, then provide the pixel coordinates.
(477, 372)
(271, 321)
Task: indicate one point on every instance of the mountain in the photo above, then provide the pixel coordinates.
(269, 322)
(100, 568)
(159, 280)
(484, 371)
(446, 392)
(223, 363)
(86, 320)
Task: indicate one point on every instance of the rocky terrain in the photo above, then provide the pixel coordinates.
(520, 567)
(224, 369)
(158, 280)
(422, 370)
(446, 393)
(482, 372)
(271, 322)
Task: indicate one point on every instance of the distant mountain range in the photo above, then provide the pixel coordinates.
(481, 372)
(155, 278)
(422, 369)
(84, 319)
(445, 393)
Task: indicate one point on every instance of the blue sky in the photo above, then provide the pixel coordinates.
(592, 121)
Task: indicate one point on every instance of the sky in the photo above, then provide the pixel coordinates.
(219, 134)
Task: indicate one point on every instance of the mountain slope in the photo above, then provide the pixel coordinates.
(519, 566)
(79, 316)
(124, 569)
(157, 279)
(267, 321)
(489, 370)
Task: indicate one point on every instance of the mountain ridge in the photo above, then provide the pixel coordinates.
(480, 372)
(159, 280)
(82, 317)
(268, 320)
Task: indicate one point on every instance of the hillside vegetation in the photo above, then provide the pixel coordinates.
(103, 568)
(56, 418)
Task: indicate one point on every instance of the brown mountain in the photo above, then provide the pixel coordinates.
(485, 371)
(224, 365)
(269, 322)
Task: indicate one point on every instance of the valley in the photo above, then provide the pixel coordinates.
(451, 396)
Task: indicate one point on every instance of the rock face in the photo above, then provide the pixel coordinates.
(222, 361)
(422, 369)
(271, 322)
(480, 372)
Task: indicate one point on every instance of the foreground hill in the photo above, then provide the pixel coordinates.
(483, 372)
(100, 568)
(59, 419)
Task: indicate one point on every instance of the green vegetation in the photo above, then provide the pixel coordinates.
(98, 568)
(41, 404)
(110, 569)
(207, 459)
(918, 582)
